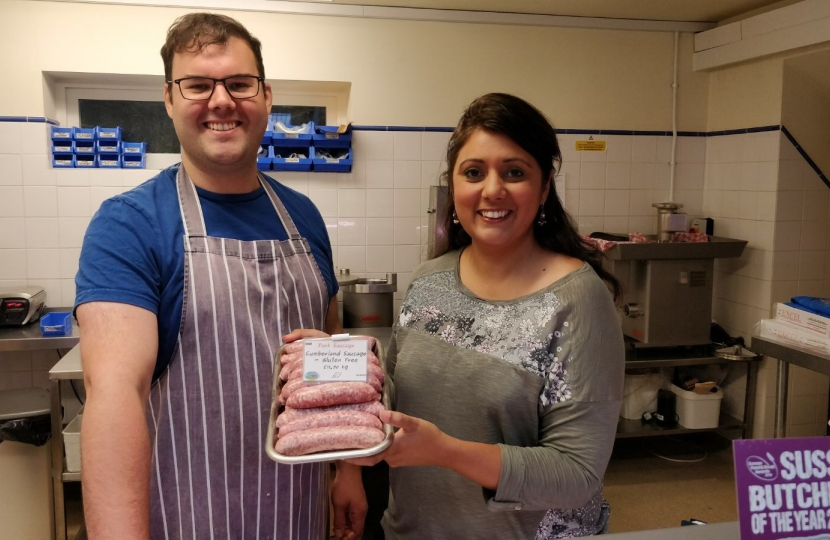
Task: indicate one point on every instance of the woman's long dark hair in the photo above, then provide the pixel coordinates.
(524, 124)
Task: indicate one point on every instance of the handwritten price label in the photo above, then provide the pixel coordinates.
(328, 360)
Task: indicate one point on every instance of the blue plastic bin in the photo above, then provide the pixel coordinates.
(62, 146)
(133, 147)
(287, 163)
(327, 137)
(83, 147)
(108, 147)
(342, 163)
(84, 161)
(63, 161)
(266, 139)
(108, 161)
(107, 134)
(59, 133)
(293, 140)
(56, 323)
(83, 134)
(133, 161)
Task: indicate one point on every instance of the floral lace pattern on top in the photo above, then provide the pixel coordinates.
(516, 332)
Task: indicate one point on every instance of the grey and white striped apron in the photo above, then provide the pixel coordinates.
(208, 413)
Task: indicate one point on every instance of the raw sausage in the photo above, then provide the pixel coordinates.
(292, 385)
(290, 414)
(309, 441)
(331, 419)
(326, 394)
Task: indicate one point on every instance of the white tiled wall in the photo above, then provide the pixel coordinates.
(755, 186)
(759, 188)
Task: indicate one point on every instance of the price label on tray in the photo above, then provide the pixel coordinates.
(335, 359)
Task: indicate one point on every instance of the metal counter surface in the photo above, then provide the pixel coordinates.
(787, 353)
(812, 359)
(713, 531)
(29, 338)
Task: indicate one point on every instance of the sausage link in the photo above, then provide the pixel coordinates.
(326, 394)
(310, 441)
(291, 414)
(332, 419)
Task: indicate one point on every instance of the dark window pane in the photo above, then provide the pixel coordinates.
(302, 114)
(140, 121)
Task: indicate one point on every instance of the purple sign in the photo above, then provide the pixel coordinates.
(783, 488)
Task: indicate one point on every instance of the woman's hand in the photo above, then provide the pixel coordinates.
(416, 443)
(303, 333)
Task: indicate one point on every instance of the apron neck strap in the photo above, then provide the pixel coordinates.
(191, 208)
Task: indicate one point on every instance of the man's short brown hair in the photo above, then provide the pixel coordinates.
(195, 32)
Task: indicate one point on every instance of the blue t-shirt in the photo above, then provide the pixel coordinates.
(133, 252)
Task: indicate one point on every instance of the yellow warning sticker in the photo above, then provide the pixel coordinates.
(590, 146)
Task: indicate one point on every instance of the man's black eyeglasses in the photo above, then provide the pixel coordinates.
(202, 88)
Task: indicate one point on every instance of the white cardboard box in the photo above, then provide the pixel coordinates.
(784, 331)
(809, 322)
(72, 444)
(697, 411)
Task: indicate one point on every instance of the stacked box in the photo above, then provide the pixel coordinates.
(332, 149)
(95, 147)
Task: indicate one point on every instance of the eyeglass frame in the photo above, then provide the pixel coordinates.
(260, 81)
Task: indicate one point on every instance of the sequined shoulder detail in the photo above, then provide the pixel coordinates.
(529, 332)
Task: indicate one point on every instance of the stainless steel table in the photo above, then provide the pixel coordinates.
(787, 353)
(29, 338)
(69, 368)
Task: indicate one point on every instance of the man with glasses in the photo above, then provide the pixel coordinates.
(187, 286)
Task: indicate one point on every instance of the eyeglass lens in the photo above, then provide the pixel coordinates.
(199, 88)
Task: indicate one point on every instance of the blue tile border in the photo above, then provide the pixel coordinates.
(33, 119)
(803, 153)
(565, 131)
(580, 131)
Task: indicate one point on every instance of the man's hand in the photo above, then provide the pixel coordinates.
(349, 501)
(303, 333)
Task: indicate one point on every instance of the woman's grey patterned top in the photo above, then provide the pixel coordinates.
(540, 376)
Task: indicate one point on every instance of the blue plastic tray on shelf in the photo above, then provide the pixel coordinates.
(133, 147)
(328, 137)
(83, 147)
(293, 140)
(63, 161)
(108, 161)
(56, 323)
(107, 134)
(84, 161)
(83, 134)
(62, 146)
(332, 160)
(61, 134)
(108, 147)
(291, 158)
(133, 161)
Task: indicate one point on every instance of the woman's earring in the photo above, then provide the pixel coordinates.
(455, 218)
(540, 221)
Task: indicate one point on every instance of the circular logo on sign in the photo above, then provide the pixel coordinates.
(312, 376)
(762, 469)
